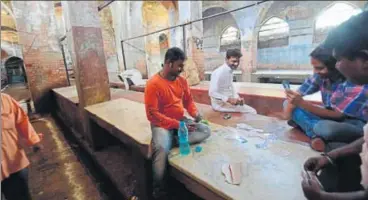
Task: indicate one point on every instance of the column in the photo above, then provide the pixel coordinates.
(44, 65)
(86, 45)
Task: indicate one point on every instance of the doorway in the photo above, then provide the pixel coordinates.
(15, 70)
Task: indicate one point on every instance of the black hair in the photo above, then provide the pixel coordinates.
(325, 56)
(233, 53)
(350, 38)
(174, 54)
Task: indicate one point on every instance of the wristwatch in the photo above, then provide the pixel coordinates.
(330, 160)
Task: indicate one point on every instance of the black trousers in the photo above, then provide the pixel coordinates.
(345, 176)
(15, 187)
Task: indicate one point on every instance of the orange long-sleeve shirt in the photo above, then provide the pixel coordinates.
(165, 101)
(15, 127)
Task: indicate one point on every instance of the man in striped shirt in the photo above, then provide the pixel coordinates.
(344, 171)
(327, 123)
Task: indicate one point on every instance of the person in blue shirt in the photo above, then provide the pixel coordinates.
(319, 122)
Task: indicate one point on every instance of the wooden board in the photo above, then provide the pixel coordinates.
(273, 173)
(127, 116)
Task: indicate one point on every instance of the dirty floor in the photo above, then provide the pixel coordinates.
(56, 172)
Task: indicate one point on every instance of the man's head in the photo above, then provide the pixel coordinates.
(233, 58)
(324, 63)
(349, 42)
(174, 61)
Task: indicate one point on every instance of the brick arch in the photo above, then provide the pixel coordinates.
(213, 29)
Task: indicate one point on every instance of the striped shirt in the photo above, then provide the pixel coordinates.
(315, 83)
(351, 100)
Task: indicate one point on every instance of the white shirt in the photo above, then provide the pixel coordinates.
(221, 86)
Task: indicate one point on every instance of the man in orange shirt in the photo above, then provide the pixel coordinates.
(166, 96)
(15, 127)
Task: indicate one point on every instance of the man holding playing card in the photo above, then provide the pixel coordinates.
(344, 171)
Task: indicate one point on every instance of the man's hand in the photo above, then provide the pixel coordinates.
(232, 101)
(314, 164)
(191, 127)
(311, 188)
(294, 97)
(198, 118)
(240, 101)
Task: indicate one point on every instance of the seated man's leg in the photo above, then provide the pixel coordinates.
(305, 120)
(201, 133)
(162, 142)
(345, 131)
(246, 109)
(227, 107)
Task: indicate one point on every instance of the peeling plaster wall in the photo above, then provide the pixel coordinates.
(108, 35)
(155, 17)
(189, 11)
(11, 50)
(127, 20)
(37, 29)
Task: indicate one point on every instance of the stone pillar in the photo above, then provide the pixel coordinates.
(189, 10)
(196, 40)
(86, 44)
(44, 65)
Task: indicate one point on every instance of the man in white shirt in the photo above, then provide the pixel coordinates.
(224, 97)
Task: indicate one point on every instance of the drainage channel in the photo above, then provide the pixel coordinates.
(105, 185)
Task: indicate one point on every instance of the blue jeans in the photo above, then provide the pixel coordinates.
(162, 142)
(344, 131)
